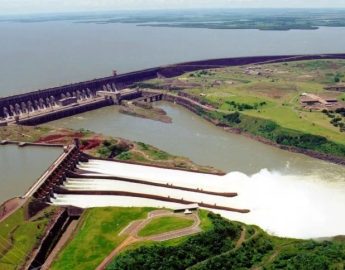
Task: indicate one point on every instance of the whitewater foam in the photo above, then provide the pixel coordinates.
(285, 205)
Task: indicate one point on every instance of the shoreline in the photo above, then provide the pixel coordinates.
(183, 101)
(152, 113)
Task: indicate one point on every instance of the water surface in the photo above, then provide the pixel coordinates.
(38, 55)
(21, 167)
(202, 142)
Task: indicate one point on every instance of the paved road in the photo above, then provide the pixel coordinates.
(134, 228)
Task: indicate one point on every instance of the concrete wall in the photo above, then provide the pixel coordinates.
(14, 104)
(51, 116)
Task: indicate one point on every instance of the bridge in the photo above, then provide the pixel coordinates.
(45, 105)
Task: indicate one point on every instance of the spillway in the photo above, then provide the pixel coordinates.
(284, 205)
(113, 185)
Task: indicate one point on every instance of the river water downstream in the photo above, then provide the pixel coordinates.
(195, 138)
(288, 194)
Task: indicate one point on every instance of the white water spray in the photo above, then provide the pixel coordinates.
(285, 205)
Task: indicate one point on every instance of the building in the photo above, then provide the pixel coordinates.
(187, 208)
(312, 101)
(337, 87)
(309, 101)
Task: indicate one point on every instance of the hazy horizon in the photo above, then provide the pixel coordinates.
(20, 7)
(128, 11)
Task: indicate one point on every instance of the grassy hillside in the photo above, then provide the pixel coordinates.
(270, 130)
(232, 245)
(223, 244)
(165, 224)
(96, 237)
(19, 236)
(267, 99)
(98, 234)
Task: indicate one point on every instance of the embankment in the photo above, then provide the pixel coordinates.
(266, 131)
(54, 232)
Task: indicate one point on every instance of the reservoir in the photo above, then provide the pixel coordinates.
(20, 167)
(45, 54)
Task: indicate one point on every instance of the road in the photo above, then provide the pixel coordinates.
(134, 228)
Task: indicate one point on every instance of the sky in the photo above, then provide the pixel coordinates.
(42, 6)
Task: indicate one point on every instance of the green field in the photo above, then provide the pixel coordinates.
(96, 237)
(18, 237)
(271, 93)
(280, 89)
(165, 224)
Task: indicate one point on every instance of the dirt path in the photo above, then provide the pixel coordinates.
(241, 239)
(272, 257)
(9, 207)
(134, 227)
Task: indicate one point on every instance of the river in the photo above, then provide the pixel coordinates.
(202, 142)
(288, 194)
(20, 167)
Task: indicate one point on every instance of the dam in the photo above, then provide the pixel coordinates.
(71, 174)
(53, 103)
(79, 186)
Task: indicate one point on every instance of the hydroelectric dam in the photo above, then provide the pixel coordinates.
(45, 105)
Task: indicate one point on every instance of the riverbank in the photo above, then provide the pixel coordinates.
(101, 146)
(145, 110)
(216, 117)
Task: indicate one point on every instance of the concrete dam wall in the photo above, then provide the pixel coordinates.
(29, 102)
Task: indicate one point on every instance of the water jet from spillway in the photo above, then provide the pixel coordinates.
(285, 205)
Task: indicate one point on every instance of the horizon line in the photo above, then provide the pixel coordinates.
(165, 9)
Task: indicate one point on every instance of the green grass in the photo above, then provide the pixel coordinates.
(153, 152)
(96, 237)
(342, 97)
(307, 122)
(165, 224)
(205, 222)
(22, 133)
(279, 89)
(18, 237)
